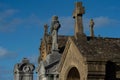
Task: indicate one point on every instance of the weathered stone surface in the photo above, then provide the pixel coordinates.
(55, 25)
(24, 70)
(70, 59)
(77, 15)
(91, 28)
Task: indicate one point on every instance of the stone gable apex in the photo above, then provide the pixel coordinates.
(64, 55)
(72, 58)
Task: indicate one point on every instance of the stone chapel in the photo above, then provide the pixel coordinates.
(77, 57)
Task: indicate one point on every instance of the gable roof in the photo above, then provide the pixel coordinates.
(99, 48)
(94, 49)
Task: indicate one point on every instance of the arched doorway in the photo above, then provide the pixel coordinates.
(73, 74)
(110, 71)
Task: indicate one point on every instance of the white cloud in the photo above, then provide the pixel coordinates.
(3, 51)
(6, 54)
(67, 23)
(10, 19)
(102, 21)
(7, 20)
(14, 22)
(5, 14)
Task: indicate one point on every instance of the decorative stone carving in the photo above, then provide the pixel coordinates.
(24, 70)
(45, 28)
(41, 71)
(91, 28)
(55, 25)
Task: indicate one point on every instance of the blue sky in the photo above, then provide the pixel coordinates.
(21, 26)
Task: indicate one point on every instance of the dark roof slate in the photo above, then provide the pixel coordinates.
(99, 48)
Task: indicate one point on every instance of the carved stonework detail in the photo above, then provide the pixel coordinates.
(43, 50)
(41, 71)
(91, 28)
(24, 70)
(55, 25)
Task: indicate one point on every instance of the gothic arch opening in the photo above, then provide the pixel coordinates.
(73, 74)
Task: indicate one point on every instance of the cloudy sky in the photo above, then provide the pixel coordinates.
(21, 26)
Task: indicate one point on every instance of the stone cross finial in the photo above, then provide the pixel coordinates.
(79, 10)
(77, 15)
(91, 28)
